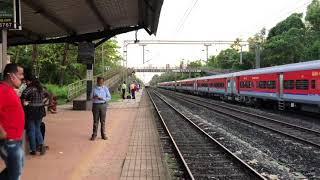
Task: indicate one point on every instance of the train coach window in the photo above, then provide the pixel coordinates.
(262, 84)
(249, 84)
(218, 85)
(302, 84)
(313, 84)
(242, 84)
(246, 84)
(271, 84)
(288, 84)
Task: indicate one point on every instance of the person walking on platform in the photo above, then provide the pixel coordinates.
(11, 123)
(33, 100)
(133, 90)
(123, 89)
(100, 96)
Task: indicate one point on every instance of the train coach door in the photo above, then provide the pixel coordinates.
(280, 85)
(234, 85)
(229, 86)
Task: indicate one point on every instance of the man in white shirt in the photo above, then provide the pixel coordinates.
(100, 96)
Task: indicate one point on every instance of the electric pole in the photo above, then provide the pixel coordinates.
(257, 49)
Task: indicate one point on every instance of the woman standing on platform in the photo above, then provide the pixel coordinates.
(32, 99)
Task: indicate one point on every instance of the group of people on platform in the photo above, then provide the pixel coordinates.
(133, 88)
(22, 107)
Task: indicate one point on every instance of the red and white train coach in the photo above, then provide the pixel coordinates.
(292, 85)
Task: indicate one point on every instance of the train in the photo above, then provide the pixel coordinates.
(295, 86)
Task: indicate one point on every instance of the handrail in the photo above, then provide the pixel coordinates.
(77, 88)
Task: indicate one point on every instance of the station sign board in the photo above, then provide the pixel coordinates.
(86, 53)
(10, 14)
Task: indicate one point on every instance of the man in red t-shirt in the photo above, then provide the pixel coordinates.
(11, 123)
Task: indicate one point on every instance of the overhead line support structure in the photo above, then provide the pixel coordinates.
(143, 43)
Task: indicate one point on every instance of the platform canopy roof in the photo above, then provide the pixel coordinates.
(59, 21)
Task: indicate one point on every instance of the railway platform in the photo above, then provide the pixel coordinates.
(132, 150)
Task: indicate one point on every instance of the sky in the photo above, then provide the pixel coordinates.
(206, 20)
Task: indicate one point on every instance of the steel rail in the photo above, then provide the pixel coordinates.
(185, 165)
(227, 151)
(253, 123)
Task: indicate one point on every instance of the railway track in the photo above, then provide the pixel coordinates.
(203, 157)
(302, 134)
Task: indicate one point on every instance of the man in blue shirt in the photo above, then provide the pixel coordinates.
(100, 96)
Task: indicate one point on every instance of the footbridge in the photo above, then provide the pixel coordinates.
(209, 71)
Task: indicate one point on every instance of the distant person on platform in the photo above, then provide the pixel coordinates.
(11, 123)
(123, 89)
(100, 96)
(133, 90)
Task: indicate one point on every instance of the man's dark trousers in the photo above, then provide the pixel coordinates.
(99, 114)
(123, 93)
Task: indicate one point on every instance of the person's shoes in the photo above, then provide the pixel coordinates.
(39, 148)
(43, 150)
(92, 138)
(33, 153)
(104, 137)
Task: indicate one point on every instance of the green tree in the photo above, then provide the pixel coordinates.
(257, 40)
(212, 62)
(293, 21)
(285, 48)
(313, 15)
(312, 40)
(236, 44)
(248, 62)
(226, 58)
(285, 43)
(57, 63)
(110, 56)
(195, 64)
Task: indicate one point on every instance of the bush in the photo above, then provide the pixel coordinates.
(60, 92)
(116, 96)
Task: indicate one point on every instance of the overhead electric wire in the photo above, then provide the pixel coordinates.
(286, 14)
(291, 11)
(186, 15)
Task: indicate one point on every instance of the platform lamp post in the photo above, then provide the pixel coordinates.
(125, 61)
(143, 45)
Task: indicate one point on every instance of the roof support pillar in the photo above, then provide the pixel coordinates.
(3, 52)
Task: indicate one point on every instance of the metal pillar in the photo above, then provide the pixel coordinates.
(103, 68)
(207, 52)
(4, 55)
(257, 49)
(241, 55)
(125, 57)
(89, 80)
(143, 45)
